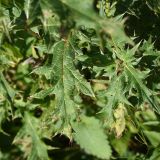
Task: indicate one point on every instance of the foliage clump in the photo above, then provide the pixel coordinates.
(79, 79)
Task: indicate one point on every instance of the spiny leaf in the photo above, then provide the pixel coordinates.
(115, 94)
(66, 79)
(90, 136)
(134, 77)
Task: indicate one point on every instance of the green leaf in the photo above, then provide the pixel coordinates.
(90, 136)
(29, 136)
(136, 78)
